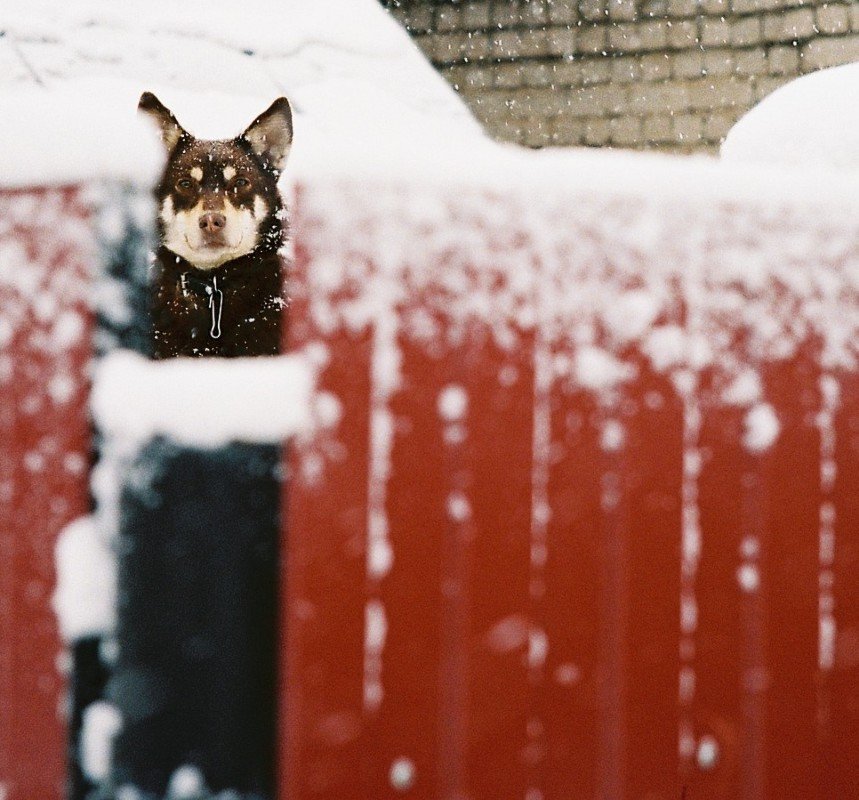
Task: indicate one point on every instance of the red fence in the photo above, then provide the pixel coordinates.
(588, 526)
(46, 253)
(584, 522)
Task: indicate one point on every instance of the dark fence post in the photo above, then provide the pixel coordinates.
(198, 576)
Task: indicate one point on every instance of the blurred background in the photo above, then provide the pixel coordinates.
(671, 75)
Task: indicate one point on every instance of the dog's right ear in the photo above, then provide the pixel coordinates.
(270, 134)
(171, 130)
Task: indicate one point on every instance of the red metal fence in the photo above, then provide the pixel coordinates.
(588, 526)
(46, 254)
(584, 522)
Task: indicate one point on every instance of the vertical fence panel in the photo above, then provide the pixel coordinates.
(614, 618)
(7, 574)
(325, 546)
(717, 678)
(497, 489)
(790, 486)
(46, 252)
(839, 751)
(423, 596)
(651, 422)
(572, 703)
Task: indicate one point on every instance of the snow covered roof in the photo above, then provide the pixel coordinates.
(810, 122)
(367, 104)
(71, 74)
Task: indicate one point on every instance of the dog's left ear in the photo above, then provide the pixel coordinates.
(270, 134)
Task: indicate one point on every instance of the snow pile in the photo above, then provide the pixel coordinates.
(809, 122)
(202, 402)
(359, 86)
(256, 46)
(366, 100)
(85, 132)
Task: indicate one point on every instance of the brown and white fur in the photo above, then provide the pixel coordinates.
(217, 285)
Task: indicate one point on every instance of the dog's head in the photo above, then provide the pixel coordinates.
(218, 200)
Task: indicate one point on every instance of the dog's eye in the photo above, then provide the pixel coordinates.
(185, 183)
(240, 183)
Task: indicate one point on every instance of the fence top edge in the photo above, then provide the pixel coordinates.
(485, 166)
(204, 402)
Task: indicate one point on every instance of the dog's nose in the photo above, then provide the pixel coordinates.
(212, 222)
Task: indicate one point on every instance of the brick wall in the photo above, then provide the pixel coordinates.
(655, 74)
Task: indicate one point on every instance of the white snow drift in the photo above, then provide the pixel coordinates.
(203, 402)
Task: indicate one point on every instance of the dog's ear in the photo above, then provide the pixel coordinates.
(270, 134)
(171, 130)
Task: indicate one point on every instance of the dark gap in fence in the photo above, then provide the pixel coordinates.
(193, 674)
(121, 297)
(198, 575)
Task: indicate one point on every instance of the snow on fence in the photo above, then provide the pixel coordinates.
(578, 514)
(52, 241)
(587, 526)
(45, 330)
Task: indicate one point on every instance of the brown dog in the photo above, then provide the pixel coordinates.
(217, 281)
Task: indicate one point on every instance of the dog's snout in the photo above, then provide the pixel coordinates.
(212, 222)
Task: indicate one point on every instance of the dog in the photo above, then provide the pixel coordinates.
(217, 283)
